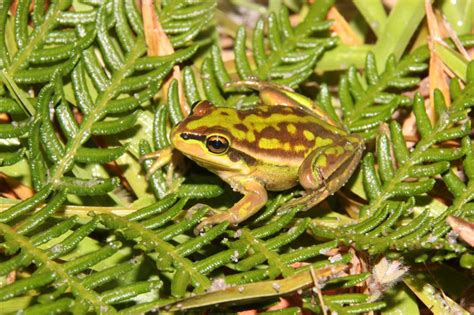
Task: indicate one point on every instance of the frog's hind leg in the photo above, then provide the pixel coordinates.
(258, 85)
(325, 171)
(275, 94)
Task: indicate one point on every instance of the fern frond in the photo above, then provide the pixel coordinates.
(250, 255)
(109, 81)
(427, 159)
(280, 54)
(50, 271)
(404, 175)
(188, 21)
(369, 99)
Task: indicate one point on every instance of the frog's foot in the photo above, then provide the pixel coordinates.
(255, 197)
(305, 202)
(210, 212)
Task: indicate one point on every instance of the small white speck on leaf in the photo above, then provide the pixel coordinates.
(276, 286)
(335, 258)
(218, 285)
(238, 233)
(324, 251)
(452, 237)
(235, 257)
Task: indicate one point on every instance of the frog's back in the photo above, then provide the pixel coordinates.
(276, 134)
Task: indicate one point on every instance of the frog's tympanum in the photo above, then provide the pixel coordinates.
(271, 147)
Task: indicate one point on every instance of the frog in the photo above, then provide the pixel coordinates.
(283, 141)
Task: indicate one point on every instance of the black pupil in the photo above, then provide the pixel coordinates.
(216, 144)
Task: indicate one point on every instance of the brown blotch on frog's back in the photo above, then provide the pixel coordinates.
(241, 127)
(281, 133)
(271, 132)
(242, 114)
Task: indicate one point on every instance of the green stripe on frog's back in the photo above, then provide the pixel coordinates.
(268, 132)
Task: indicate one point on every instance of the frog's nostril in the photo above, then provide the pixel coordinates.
(185, 136)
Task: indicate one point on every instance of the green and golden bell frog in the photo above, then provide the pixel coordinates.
(274, 146)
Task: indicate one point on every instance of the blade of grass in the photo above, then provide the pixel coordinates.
(434, 299)
(460, 14)
(158, 44)
(342, 57)
(374, 13)
(453, 60)
(401, 24)
(342, 28)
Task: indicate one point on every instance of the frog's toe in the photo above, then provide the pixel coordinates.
(284, 209)
(200, 227)
(305, 202)
(290, 206)
(190, 212)
(216, 219)
(207, 222)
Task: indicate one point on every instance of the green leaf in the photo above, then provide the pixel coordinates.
(397, 34)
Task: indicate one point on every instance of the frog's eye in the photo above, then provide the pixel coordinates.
(217, 144)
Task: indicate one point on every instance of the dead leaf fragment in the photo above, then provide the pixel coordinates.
(16, 190)
(159, 44)
(342, 28)
(438, 78)
(384, 275)
(463, 228)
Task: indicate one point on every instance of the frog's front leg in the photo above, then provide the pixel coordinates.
(326, 170)
(255, 197)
